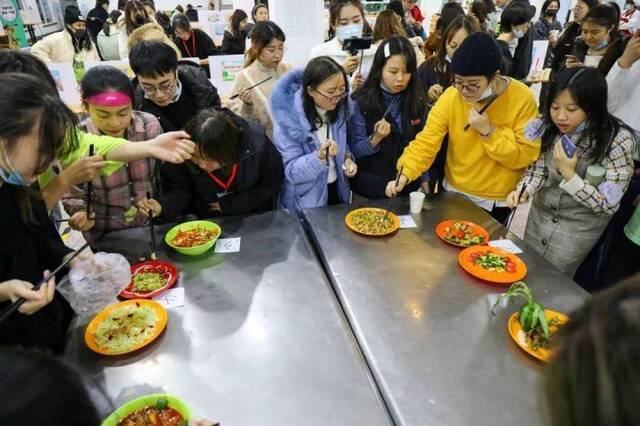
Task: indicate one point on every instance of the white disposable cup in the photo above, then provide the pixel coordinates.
(416, 199)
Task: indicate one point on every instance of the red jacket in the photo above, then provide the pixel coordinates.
(417, 14)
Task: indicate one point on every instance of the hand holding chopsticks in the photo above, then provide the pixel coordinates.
(21, 301)
(152, 230)
(393, 197)
(89, 186)
(482, 110)
(251, 87)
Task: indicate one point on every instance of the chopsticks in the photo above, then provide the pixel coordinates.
(90, 218)
(384, 116)
(483, 109)
(328, 136)
(251, 87)
(153, 234)
(89, 186)
(386, 213)
(21, 301)
(513, 212)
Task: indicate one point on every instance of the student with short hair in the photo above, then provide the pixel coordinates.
(235, 170)
(174, 91)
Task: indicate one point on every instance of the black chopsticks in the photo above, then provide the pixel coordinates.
(21, 301)
(483, 109)
(89, 186)
(153, 233)
(513, 212)
(251, 87)
(386, 213)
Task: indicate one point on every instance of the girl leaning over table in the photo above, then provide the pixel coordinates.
(310, 111)
(486, 160)
(574, 197)
(35, 122)
(107, 95)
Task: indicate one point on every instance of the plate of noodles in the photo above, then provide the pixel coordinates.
(151, 410)
(193, 238)
(125, 327)
(370, 221)
(148, 279)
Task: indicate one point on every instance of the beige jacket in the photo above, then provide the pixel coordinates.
(259, 110)
(57, 48)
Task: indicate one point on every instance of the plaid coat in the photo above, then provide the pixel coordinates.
(112, 194)
(564, 224)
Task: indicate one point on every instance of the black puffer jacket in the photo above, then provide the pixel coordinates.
(187, 189)
(194, 79)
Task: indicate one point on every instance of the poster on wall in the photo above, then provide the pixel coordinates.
(12, 22)
(66, 84)
(214, 22)
(302, 22)
(224, 69)
(30, 12)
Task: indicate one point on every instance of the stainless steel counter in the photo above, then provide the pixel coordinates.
(424, 324)
(261, 339)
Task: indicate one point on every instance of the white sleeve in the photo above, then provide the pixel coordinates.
(619, 82)
(123, 45)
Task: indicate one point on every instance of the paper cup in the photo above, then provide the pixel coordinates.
(416, 199)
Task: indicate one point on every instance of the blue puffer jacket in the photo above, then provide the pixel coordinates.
(305, 184)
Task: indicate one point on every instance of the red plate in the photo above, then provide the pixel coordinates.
(167, 269)
(492, 276)
(478, 230)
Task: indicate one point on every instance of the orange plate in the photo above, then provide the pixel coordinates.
(349, 221)
(102, 315)
(493, 277)
(476, 228)
(167, 269)
(519, 336)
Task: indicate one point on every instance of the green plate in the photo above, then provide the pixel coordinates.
(144, 401)
(192, 251)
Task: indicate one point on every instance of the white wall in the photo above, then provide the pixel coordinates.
(302, 23)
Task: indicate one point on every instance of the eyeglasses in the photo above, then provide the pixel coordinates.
(163, 89)
(468, 87)
(336, 98)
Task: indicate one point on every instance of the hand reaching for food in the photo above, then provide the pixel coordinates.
(512, 199)
(145, 205)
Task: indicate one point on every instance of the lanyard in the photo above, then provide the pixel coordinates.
(193, 44)
(225, 185)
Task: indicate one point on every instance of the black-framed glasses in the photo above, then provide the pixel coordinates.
(164, 88)
(336, 98)
(468, 87)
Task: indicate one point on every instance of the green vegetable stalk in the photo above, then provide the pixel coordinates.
(532, 315)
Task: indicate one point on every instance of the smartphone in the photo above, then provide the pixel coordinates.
(353, 45)
(568, 146)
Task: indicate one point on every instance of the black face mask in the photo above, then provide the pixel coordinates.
(551, 13)
(80, 34)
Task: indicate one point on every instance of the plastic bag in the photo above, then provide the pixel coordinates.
(94, 283)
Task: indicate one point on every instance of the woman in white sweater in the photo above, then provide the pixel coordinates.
(263, 60)
(135, 16)
(71, 45)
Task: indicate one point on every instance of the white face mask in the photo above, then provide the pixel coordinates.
(349, 31)
(486, 94)
(518, 33)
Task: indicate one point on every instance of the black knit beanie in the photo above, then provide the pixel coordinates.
(478, 54)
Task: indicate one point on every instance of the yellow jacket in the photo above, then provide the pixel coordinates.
(489, 167)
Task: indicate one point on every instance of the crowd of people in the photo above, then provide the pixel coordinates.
(376, 112)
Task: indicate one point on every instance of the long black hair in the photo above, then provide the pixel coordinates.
(238, 16)
(449, 12)
(588, 88)
(438, 62)
(25, 103)
(369, 97)
(22, 62)
(82, 43)
(217, 135)
(104, 78)
(317, 71)
(36, 387)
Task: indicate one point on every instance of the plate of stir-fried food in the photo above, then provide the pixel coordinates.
(125, 327)
(148, 279)
(492, 265)
(193, 238)
(151, 410)
(461, 233)
(371, 222)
